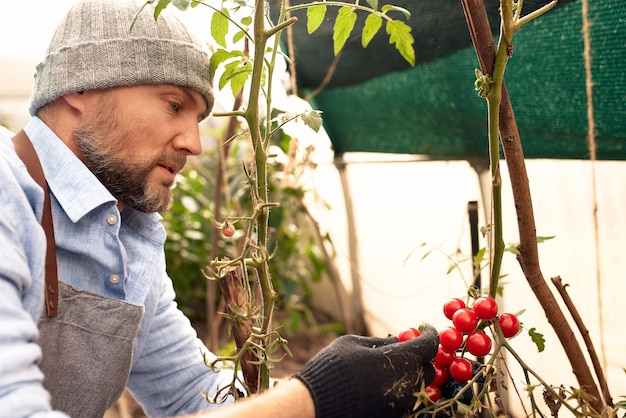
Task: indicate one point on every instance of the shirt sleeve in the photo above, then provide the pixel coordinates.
(169, 376)
(22, 249)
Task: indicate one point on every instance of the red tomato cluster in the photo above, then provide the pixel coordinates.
(463, 332)
(465, 320)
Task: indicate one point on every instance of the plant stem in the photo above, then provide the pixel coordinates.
(494, 99)
(259, 186)
(339, 4)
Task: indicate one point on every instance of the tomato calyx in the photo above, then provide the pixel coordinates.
(433, 393)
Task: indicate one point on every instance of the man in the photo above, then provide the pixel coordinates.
(115, 116)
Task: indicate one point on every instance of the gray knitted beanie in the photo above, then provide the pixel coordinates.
(94, 48)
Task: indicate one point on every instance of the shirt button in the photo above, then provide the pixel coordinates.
(114, 278)
(112, 219)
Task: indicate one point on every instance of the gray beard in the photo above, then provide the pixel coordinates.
(128, 183)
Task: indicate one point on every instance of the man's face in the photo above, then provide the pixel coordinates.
(136, 139)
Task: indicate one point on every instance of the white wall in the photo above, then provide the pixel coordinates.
(399, 206)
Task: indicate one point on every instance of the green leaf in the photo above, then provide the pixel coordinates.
(162, 4)
(219, 28)
(520, 312)
(500, 290)
(315, 16)
(373, 4)
(220, 56)
(452, 268)
(511, 248)
(236, 73)
(238, 36)
(346, 18)
(479, 257)
(400, 35)
(390, 8)
(543, 239)
(246, 20)
(538, 339)
(312, 119)
(181, 4)
(373, 24)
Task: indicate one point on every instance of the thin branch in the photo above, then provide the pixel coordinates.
(584, 332)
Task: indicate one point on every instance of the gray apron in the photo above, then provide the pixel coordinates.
(87, 351)
(88, 346)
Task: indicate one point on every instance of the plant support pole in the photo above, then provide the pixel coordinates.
(528, 258)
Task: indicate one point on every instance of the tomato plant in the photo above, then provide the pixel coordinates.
(408, 334)
(509, 324)
(465, 320)
(450, 339)
(461, 370)
(478, 343)
(485, 308)
(451, 306)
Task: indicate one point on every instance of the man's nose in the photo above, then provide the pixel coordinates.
(188, 140)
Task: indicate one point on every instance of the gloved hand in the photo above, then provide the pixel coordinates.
(369, 377)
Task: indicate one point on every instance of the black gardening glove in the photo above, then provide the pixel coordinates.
(369, 377)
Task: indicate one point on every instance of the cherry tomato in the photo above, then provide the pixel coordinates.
(509, 324)
(461, 370)
(478, 343)
(450, 339)
(228, 230)
(465, 320)
(441, 374)
(433, 393)
(451, 306)
(443, 357)
(485, 308)
(408, 334)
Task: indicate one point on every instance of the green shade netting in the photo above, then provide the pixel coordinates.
(433, 109)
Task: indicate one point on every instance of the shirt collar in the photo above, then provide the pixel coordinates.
(76, 189)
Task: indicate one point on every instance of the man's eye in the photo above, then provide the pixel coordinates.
(175, 106)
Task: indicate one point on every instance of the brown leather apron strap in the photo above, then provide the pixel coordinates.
(26, 152)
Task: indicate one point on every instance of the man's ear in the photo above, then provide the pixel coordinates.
(76, 101)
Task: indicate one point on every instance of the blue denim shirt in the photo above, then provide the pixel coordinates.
(95, 242)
